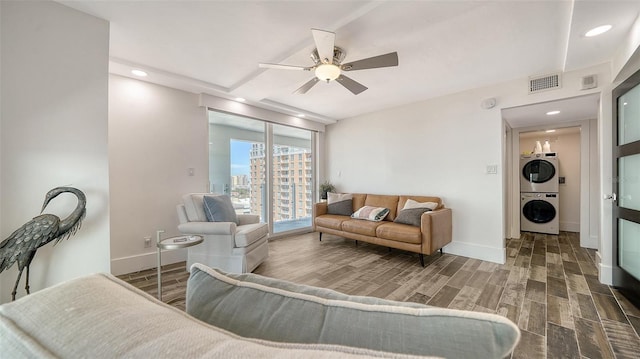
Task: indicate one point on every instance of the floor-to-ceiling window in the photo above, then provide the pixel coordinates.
(292, 178)
(266, 169)
(231, 169)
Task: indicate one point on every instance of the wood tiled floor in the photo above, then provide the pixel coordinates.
(549, 287)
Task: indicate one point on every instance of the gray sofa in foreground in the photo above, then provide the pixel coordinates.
(255, 306)
(100, 316)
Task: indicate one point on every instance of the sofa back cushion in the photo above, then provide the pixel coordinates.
(194, 206)
(386, 201)
(358, 201)
(259, 307)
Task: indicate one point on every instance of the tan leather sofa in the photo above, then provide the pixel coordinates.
(433, 234)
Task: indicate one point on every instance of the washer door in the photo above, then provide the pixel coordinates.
(538, 171)
(539, 211)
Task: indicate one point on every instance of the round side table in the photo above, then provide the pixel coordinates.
(173, 243)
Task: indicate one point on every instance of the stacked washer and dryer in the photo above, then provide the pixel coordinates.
(540, 200)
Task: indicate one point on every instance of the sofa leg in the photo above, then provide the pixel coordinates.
(421, 259)
(320, 236)
(356, 243)
(440, 251)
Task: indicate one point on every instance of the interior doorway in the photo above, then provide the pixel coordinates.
(563, 147)
(572, 133)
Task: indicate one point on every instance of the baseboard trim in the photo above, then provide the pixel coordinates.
(590, 241)
(570, 226)
(471, 250)
(605, 274)
(145, 261)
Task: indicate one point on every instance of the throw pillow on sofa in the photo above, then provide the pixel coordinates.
(340, 203)
(412, 212)
(370, 213)
(219, 209)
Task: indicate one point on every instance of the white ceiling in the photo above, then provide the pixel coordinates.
(550, 135)
(571, 110)
(443, 46)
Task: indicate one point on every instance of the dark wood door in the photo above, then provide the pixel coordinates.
(626, 186)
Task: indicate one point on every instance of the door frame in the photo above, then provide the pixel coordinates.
(589, 179)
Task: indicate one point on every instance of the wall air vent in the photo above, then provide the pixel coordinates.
(589, 82)
(544, 83)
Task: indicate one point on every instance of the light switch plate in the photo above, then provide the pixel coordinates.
(492, 169)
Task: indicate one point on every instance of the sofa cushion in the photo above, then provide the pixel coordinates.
(331, 221)
(369, 213)
(100, 316)
(256, 307)
(411, 204)
(358, 200)
(366, 228)
(219, 209)
(386, 201)
(340, 203)
(399, 232)
(411, 216)
(194, 206)
(250, 233)
(413, 210)
(403, 199)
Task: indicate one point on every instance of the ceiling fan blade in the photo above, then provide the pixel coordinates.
(307, 86)
(284, 67)
(325, 41)
(351, 85)
(386, 60)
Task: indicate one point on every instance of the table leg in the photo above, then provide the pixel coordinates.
(159, 264)
(158, 268)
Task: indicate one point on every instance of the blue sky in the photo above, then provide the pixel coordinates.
(240, 151)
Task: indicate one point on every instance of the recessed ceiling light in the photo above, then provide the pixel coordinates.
(139, 73)
(300, 115)
(549, 131)
(598, 31)
(240, 99)
(551, 113)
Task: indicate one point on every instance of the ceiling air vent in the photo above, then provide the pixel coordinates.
(544, 83)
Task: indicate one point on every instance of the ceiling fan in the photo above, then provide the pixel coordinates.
(328, 63)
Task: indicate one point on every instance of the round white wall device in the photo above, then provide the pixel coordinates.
(488, 103)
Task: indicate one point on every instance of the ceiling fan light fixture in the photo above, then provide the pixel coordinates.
(327, 72)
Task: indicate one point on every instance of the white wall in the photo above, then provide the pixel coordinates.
(53, 128)
(567, 146)
(625, 60)
(155, 135)
(439, 147)
(442, 147)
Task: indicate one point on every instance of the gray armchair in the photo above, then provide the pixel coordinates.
(234, 248)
